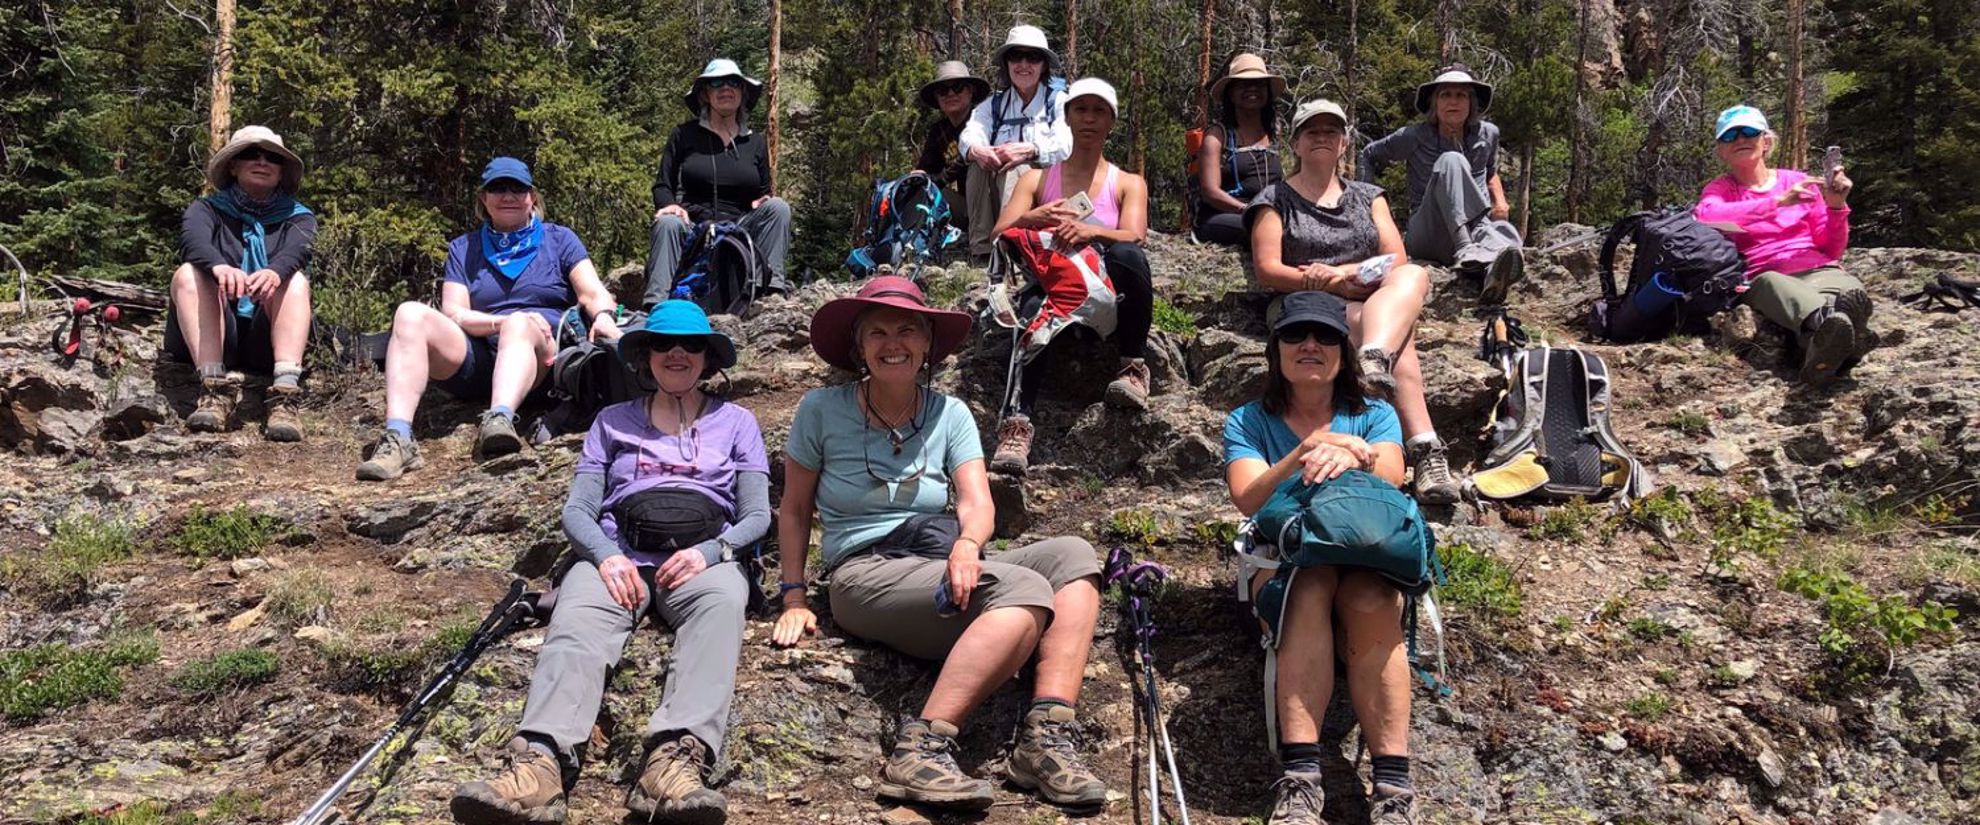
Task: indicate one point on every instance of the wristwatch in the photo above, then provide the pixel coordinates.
(728, 550)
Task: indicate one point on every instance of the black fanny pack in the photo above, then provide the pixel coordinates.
(662, 520)
(929, 536)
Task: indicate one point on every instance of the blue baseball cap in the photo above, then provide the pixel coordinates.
(681, 319)
(1737, 116)
(509, 168)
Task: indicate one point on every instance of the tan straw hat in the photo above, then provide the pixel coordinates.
(219, 174)
(1247, 66)
(952, 70)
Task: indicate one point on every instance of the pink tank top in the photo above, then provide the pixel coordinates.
(1106, 207)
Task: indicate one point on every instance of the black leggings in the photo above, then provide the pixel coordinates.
(1226, 228)
(1134, 306)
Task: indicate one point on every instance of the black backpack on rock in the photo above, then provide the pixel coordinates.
(1682, 274)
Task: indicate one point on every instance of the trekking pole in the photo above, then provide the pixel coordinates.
(514, 609)
(1138, 582)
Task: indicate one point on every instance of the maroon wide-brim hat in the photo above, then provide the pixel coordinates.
(832, 325)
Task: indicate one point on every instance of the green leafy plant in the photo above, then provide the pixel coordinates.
(1479, 584)
(300, 597)
(228, 670)
(1749, 526)
(233, 533)
(79, 546)
(43, 678)
(1215, 532)
(1134, 525)
(1567, 522)
(1171, 318)
(1650, 706)
(1689, 422)
(1863, 631)
(1649, 629)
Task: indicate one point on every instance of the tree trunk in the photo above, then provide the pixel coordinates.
(1446, 32)
(1205, 38)
(770, 95)
(955, 29)
(1072, 38)
(1578, 156)
(1349, 90)
(1797, 124)
(1526, 191)
(221, 112)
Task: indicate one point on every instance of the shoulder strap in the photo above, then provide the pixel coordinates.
(1606, 268)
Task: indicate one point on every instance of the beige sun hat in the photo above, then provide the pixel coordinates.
(219, 176)
(952, 70)
(1247, 66)
(1025, 37)
(1456, 74)
(1315, 108)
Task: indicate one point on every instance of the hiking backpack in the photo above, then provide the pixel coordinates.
(908, 225)
(1063, 287)
(585, 377)
(721, 269)
(1682, 274)
(1550, 430)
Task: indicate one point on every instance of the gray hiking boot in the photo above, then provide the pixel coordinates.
(1376, 379)
(1300, 800)
(1129, 391)
(283, 423)
(923, 769)
(672, 787)
(1390, 805)
(1856, 305)
(1504, 271)
(1827, 340)
(1047, 760)
(529, 792)
(215, 411)
(1013, 445)
(391, 457)
(1434, 483)
(498, 436)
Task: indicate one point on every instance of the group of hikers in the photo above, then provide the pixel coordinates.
(672, 488)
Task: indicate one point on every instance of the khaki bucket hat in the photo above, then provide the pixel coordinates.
(219, 175)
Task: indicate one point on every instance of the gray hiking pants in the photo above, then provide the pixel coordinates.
(588, 633)
(769, 227)
(1453, 224)
(985, 194)
(1788, 299)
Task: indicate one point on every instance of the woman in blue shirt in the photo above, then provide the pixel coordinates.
(494, 333)
(1314, 423)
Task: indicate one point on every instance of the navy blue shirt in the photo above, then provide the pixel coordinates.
(544, 286)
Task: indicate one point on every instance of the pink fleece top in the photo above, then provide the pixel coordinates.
(1784, 239)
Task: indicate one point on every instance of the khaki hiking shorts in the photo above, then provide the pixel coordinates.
(892, 601)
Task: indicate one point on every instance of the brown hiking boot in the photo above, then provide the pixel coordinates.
(671, 788)
(1390, 805)
(1300, 800)
(1434, 483)
(391, 457)
(1828, 339)
(498, 436)
(1047, 760)
(283, 423)
(530, 792)
(1129, 391)
(1376, 379)
(923, 769)
(1856, 305)
(1013, 445)
(215, 411)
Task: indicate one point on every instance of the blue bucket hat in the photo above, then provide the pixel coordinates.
(677, 318)
(509, 168)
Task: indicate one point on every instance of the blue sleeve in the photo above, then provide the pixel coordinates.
(456, 269)
(1380, 424)
(965, 444)
(1240, 435)
(570, 250)
(804, 444)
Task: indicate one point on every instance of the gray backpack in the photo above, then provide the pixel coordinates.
(1551, 435)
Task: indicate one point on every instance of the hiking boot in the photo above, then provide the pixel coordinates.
(1434, 483)
(1013, 445)
(1856, 305)
(283, 423)
(1300, 800)
(1504, 271)
(498, 436)
(1828, 340)
(923, 769)
(215, 410)
(391, 457)
(671, 788)
(1390, 805)
(1047, 760)
(1376, 379)
(530, 792)
(1129, 391)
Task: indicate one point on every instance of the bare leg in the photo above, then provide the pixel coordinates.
(989, 652)
(1377, 661)
(1411, 407)
(289, 309)
(519, 360)
(196, 305)
(1388, 316)
(424, 345)
(1305, 681)
(1062, 651)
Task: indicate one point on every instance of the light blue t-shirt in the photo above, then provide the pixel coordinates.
(830, 435)
(1251, 432)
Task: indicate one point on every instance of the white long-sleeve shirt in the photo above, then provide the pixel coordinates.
(1004, 117)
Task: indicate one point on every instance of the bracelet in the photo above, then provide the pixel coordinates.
(594, 316)
(786, 587)
(979, 545)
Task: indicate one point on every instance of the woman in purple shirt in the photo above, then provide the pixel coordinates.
(668, 488)
(493, 335)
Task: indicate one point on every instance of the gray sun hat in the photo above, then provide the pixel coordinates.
(1025, 37)
(722, 67)
(1457, 74)
(953, 70)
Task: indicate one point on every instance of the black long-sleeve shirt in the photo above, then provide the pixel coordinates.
(208, 239)
(710, 179)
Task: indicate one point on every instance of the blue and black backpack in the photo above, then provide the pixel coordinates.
(908, 225)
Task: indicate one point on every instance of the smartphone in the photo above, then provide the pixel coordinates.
(1831, 161)
(1372, 271)
(1081, 203)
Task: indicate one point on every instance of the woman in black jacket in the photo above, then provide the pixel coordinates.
(715, 169)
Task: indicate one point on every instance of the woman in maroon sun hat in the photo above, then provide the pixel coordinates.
(876, 461)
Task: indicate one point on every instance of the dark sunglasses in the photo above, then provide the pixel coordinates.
(955, 88)
(724, 83)
(1738, 133)
(258, 153)
(1300, 333)
(505, 187)
(691, 344)
(1024, 56)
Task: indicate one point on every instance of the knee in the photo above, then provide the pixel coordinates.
(669, 226)
(1453, 163)
(1410, 278)
(516, 327)
(409, 318)
(776, 209)
(1367, 596)
(185, 280)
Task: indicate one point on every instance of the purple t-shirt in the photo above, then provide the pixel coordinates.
(634, 456)
(543, 286)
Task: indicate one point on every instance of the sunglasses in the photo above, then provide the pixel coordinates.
(506, 187)
(1739, 133)
(1301, 333)
(956, 88)
(690, 344)
(724, 83)
(259, 154)
(1024, 56)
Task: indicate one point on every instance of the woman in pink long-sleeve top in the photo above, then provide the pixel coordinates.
(1792, 229)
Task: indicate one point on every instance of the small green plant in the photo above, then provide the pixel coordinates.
(1667, 510)
(233, 533)
(1649, 629)
(234, 806)
(1939, 510)
(1567, 522)
(300, 597)
(1864, 631)
(43, 678)
(142, 813)
(79, 546)
(1480, 584)
(1215, 532)
(229, 670)
(1689, 422)
(1650, 707)
(1723, 676)
(1134, 525)
(1564, 623)
(1092, 485)
(1171, 318)
(1749, 526)
(1657, 581)
(1667, 676)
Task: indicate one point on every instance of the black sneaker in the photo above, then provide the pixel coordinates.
(1829, 341)
(498, 436)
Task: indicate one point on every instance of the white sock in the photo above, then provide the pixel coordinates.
(1425, 439)
(213, 370)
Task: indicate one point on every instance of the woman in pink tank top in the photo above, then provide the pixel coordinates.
(1116, 225)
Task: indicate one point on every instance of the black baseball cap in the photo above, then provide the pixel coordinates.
(1312, 307)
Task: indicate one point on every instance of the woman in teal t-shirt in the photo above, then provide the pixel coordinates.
(1313, 423)
(876, 461)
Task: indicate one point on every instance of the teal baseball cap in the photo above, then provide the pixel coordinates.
(1738, 116)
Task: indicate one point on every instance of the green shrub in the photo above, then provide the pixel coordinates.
(1479, 584)
(1864, 631)
(1689, 422)
(234, 533)
(1171, 318)
(1650, 706)
(301, 597)
(1648, 629)
(43, 678)
(79, 546)
(229, 670)
(1134, 525)
(1748, 526)
(1567, 522)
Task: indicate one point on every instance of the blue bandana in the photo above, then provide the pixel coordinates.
(255, 217)
(511, 252)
